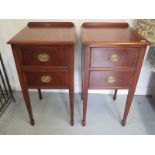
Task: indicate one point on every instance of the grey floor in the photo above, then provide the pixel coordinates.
(103, 115)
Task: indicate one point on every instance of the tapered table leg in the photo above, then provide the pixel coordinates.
(16, 53)
(40, 94)
(85, 80)
(85, 96)
(133, 85)
(82, 90)
(71, 96)
(71, 84)
(28, 106)
(128, 105)
(115, 94)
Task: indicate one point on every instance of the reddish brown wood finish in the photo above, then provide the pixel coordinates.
(98, 79)
(101, 40)
(23, 83)
(133, 84)
(85, 80)
(104, 25)
(40, 34)
(127, 57)
(59, 79)
(51, 24)
(71, 83)
(110, 34)
(58, 56)
(55, 40)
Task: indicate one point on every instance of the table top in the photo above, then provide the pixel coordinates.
(45, 33)
(111, 34)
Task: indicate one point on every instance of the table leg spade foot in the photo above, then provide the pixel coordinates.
(32, 122)
(123, 122)
(114, 97)
(72, 122)
(83, 123)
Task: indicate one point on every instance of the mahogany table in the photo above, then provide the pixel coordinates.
(44, 57)
(112, 57)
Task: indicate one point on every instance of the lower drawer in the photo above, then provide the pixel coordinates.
(110, 79)
(44, 79)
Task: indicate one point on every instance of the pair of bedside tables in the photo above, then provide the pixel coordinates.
(112, 56)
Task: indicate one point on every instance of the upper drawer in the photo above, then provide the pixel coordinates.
(49, 56)
(114, 57)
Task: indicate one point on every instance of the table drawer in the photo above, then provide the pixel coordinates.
(114, 57)
(48, 56)
(110, 79)
(44, 79)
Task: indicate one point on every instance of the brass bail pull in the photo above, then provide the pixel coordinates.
(111, 79)
(46, 79)
(114, 57)
(43, 57)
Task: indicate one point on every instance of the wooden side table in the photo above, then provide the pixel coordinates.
(112, 57)
(44, 57)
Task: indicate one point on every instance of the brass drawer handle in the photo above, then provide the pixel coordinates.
(46, 79)
(43, 57)
(111, 79)
(114, 57)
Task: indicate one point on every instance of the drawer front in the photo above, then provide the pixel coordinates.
(114, 57)
(48, 56)
(51, 79)
(110, 79)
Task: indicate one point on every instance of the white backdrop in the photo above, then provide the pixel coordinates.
(8, 28)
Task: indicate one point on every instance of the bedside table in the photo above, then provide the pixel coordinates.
(44, 57)
(112, 57)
